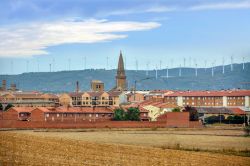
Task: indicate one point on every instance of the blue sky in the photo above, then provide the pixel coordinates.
(36, 33)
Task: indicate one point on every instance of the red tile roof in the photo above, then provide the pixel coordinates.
(237, 111)
(22, 109)
(210, 93)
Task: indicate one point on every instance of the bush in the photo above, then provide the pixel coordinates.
(133, 114)
(176, 110)
(119, 114)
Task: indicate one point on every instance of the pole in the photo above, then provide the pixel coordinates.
(135, 89)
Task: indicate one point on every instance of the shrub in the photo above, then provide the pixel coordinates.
(133, 114)
(176, 109)
(119, 114)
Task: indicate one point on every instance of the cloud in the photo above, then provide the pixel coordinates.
(222, 5)
(33, 39)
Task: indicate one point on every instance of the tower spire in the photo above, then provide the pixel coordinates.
(120, 76)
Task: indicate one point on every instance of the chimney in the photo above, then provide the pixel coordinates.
(77, 87)
(4, 85)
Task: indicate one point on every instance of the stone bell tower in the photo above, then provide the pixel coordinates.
(121, 83)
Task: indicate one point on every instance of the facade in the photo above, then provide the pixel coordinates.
(97, 86)
(29, 99)
(121, 83)
(93, 98)
(224, 98)
(58, 114)
(4, 88)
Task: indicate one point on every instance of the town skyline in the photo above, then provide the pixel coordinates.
(43, 35)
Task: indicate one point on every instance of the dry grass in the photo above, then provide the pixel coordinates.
(20, 148)
(186, 139)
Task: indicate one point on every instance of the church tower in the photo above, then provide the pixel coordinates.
(121, 83)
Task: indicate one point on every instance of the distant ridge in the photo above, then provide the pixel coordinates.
(63, 81)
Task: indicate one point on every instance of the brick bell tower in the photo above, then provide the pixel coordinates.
(121, 83)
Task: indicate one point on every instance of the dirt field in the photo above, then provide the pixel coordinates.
(126, 147)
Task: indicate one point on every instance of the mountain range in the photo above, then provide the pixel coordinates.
(184, 79)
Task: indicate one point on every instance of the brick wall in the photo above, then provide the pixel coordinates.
(97, 124)
(11, 114)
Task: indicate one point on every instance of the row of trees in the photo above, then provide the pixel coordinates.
(132, 114)
(6, 108)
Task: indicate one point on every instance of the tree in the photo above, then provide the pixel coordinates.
(193, 113)
(8, 107)
(133, 114)
(176, 109)
(119, 114)
(1, 107)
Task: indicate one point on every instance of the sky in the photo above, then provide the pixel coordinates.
(45, 35)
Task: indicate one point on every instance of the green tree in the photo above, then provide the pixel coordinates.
(8, 107)
(119, 114)
(133, 114)
(1, 107)
(176, 109)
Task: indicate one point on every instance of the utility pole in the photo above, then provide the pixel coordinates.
(27, 66)
(205, 65)
(136, 65)
(147, 68)
(69, 61)
(243, 63)
(196, 72)
(180, 71)
(107, 63)
(212, 69)
(37, 65)
(85, 62)
(11, 64)
(156, 74)
(223, 65)
(167, 72)
(232, 63)
(53, 64)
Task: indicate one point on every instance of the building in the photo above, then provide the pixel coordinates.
(59, 114)
(121, 83)
(97, 86)
(223, 98)
(29, 99)
(93, 98)
(3, 88)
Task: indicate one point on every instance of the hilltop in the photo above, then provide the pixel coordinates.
(62, 81)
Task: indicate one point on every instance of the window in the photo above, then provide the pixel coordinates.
(103, 98)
